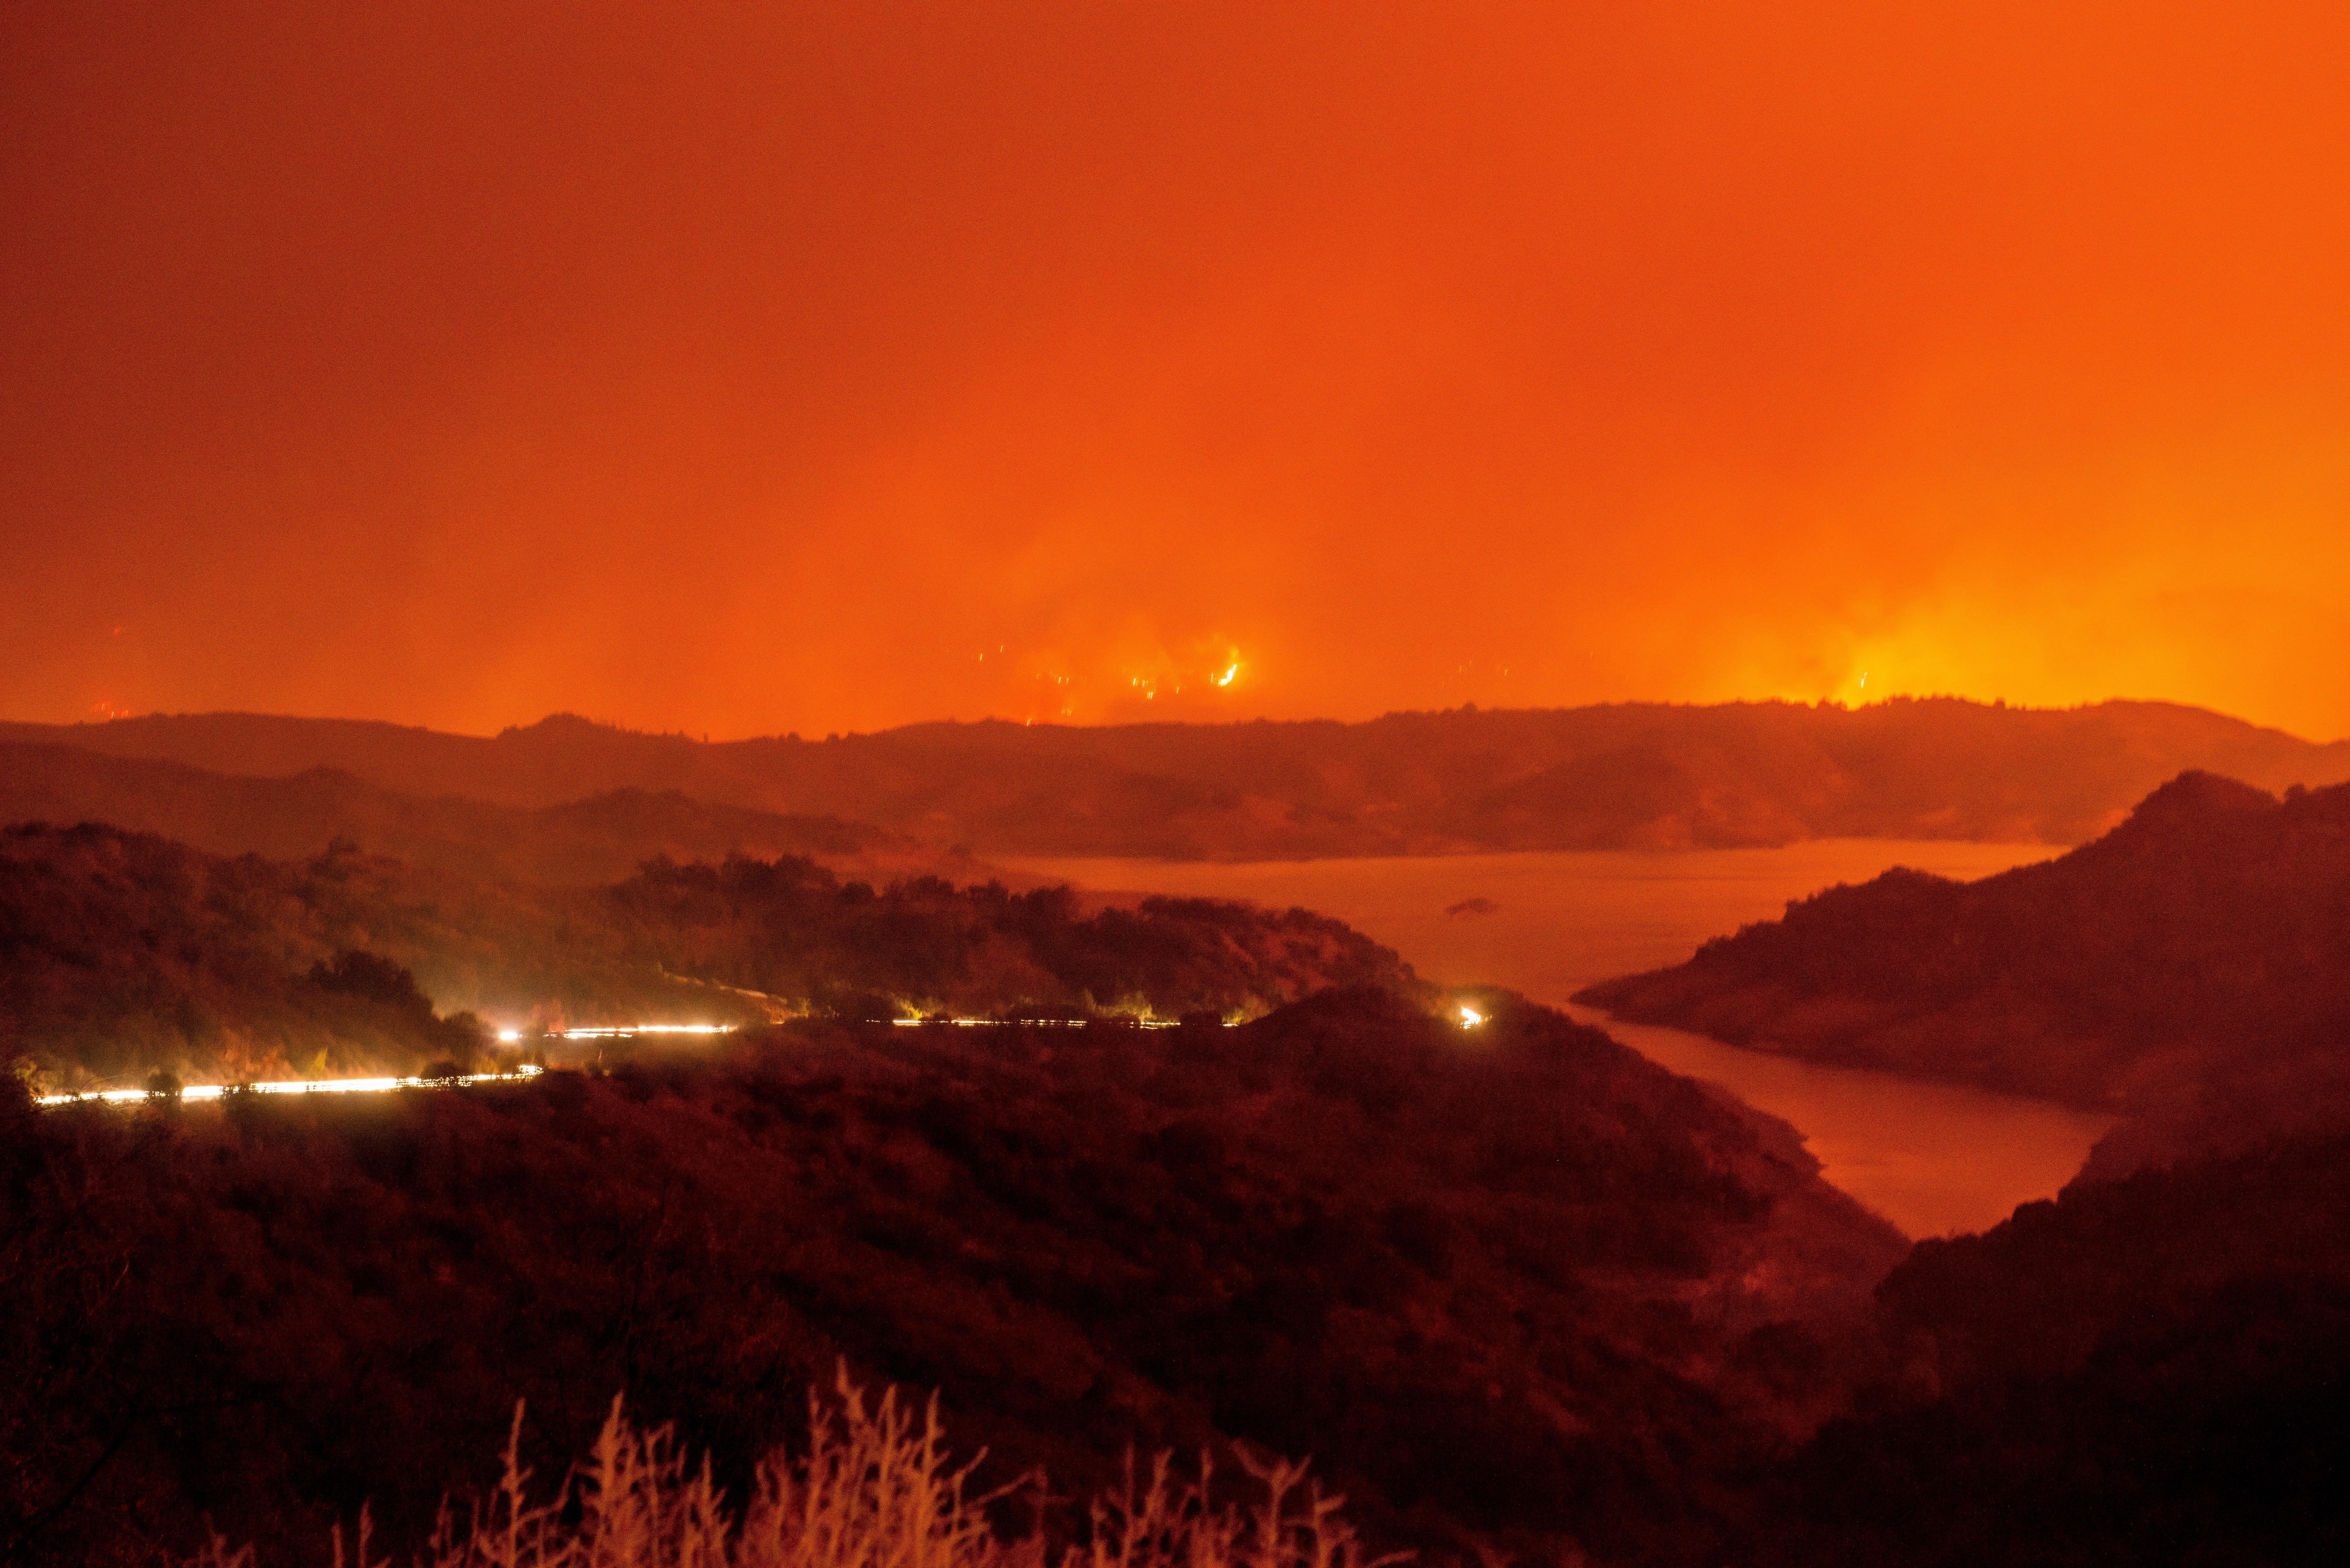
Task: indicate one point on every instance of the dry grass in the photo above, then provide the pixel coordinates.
(876, 1489)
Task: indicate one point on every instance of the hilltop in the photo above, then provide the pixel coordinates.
(1622, 775)
(2146, 1368)
(2190, 969)
(124, 953)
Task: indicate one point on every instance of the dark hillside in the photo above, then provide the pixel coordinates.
(789, 929)
(2150, 1370)
(2151, 1367)
(1515, 1285)
(2191, 965)
(123, 953)
(579, 843)
(1623, 776)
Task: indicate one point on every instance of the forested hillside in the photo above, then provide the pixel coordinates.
(1515, 1290)
(1514, 1286)
(122, 953)
(2148, 1370)
(2191, 968)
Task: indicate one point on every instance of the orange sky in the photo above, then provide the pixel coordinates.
(455, 364)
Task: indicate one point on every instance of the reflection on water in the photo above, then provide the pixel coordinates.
(1931, 1159)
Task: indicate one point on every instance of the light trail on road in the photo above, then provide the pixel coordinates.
(200, 1092)
(285, 1086)
(617, 1031)
(1037, 1022)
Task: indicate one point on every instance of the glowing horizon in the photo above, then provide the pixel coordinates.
(1173, 362)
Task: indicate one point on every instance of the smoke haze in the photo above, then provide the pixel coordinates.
(831, 367)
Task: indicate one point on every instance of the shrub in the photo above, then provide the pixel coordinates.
(876, 1489)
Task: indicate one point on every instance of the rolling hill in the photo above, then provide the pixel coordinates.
(2189, 969)
(122, 953)
(572, 844)
(1623, 775)
(1520, 1291)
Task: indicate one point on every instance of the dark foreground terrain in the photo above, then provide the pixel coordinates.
(1513, 1285)
(1513, 1290)
(2145, 1371)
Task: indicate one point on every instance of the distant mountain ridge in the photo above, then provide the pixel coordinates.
(1625, 775)
(577, 844)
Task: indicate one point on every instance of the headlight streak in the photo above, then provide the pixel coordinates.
(379, 1085)
(623, 1030)
(1470, 1019)
(1034, 1023)
(287, 1086)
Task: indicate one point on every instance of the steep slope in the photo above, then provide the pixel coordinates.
(1516, 1286)
(2145, 1370)
(2191, 968)
(1631, 774)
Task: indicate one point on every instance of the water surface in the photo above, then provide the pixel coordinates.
(1932, 1158)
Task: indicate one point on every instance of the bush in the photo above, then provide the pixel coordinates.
(875, 1487)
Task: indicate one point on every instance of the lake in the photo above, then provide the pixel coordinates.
(1933, 1160)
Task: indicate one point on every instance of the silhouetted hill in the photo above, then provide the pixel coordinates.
(579, 843)
(1630, 775)
(1520, 1286)
(2191, 967)
(2149, 1370)
(123, 953)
